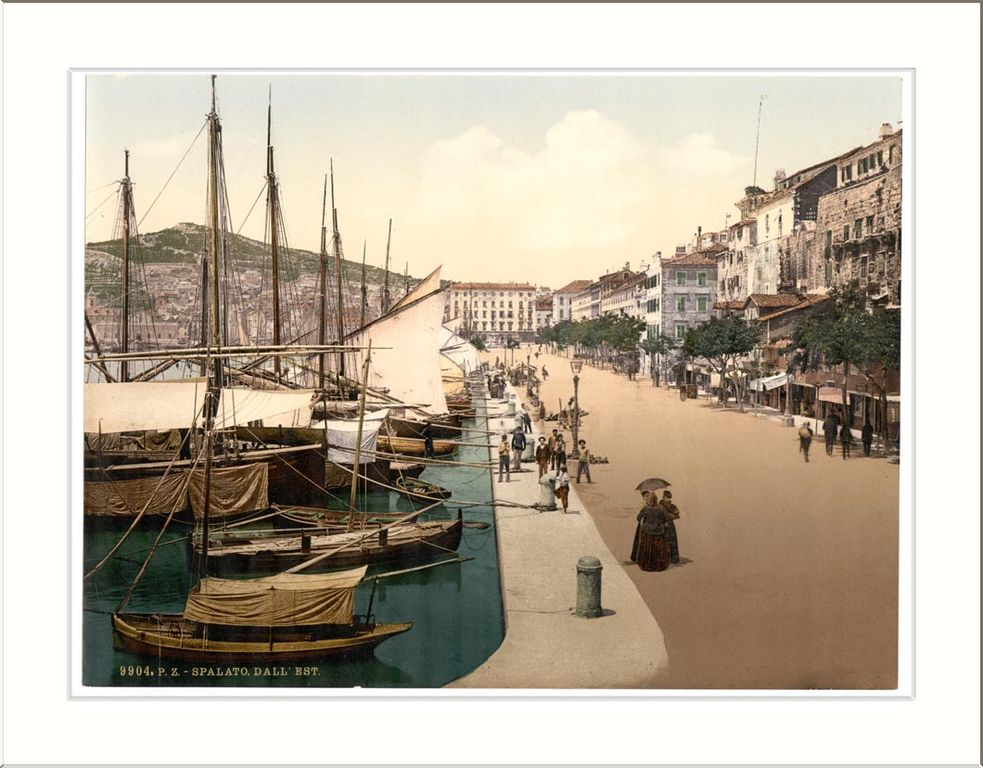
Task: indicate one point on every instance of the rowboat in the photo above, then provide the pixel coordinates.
(413, 488)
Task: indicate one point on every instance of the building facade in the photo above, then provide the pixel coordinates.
(688, 293)
(495, 311)
(563, 300)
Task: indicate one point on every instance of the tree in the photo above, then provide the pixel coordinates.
(660, 345)
(723, 342)
(851, 335)
(478, 342)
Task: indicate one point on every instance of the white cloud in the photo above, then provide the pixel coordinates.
(594, 197)
(698, 154)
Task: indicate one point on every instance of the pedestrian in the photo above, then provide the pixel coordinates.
(671, 516)
(560, 452)
(526, 421)
(830, 428)
(846, 440)
(652, 553)
(542, 455)
(867, 436)
(562, 491)
(805, 440)
(503, 459)
(552, 444)
(518, 446)
(583, 461)
(427, 434)
(546, 374)
(542, 411)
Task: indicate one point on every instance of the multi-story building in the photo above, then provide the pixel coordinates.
(858, 226)
(732, 264)
(595, 299)
(497, 311)
(627, 298)
(688, 292)
(563, 298)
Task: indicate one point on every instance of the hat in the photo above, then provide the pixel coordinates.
(667, 495)
(542, 439)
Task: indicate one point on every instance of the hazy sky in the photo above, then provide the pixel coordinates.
(535, 177)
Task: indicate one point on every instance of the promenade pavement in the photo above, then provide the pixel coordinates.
(546, 644)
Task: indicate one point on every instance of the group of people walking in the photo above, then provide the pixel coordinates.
(656, 546)
(833, 429)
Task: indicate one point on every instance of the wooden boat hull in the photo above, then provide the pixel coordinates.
(412, 446)
(280, 552)
(171, 636)
(440, 430)
(418, 490)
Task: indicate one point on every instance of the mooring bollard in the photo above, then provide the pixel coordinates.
(589, 587)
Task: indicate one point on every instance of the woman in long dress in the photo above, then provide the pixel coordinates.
(671, 516)
(653, 539)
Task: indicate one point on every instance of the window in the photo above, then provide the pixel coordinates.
(880, 157)
(680, 278)
(847, 173)
(701, 279)
(857, 227)
(779, 224)
(861, 165)
(829, 272)
(863, 266)
(701, 303)
(870, 224)
(846, 231)
(767, 225)
(890, 154)
(680, 330)
(829, 237)
(680, 303)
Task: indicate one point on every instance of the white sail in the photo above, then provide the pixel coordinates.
(460, 350)
(406, 350)
(136, 406)
(428, 285)
(239, 406)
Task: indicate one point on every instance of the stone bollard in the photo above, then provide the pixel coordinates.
(589, 587)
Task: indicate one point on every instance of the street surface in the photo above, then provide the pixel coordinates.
(789, 570)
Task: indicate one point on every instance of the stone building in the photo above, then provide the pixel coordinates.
(688, 292)
(858, 226)
(497, 311)
(732, 263)
(544, 314)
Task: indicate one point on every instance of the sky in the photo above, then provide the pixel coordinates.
(538, 177)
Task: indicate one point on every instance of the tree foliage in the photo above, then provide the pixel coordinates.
(618, 332)
(723, 342)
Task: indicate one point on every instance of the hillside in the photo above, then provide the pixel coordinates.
(182, 244)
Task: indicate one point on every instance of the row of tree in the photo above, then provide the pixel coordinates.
(844, 331)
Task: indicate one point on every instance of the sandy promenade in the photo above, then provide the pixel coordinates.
(789, 570)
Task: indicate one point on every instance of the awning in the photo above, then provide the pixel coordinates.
(142, 405)
(769, 382)
(275, 408)
(830, 395)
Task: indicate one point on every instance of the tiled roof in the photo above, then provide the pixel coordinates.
(773, 300)
(807, 302)
(694, 259)
(729, 305)
(575, 287)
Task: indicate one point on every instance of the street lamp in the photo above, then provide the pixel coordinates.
(575, 366)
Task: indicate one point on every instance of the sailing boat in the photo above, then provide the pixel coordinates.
(286, 617)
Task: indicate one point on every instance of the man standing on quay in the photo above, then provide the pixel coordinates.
(518, 446)
(830, 427)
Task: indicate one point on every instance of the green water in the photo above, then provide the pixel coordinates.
(456, 609)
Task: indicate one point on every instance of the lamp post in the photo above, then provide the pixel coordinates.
(575, 366)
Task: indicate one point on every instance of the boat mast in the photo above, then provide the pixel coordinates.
(272, 204)
(336, 248)
(365, 295)
(125, 311)
(358, 437)
(406, 278)
(322, 286)
(214, 131)
(385, 289)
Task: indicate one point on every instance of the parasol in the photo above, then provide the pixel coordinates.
(653, 484)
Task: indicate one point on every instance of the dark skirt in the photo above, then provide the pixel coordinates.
(653, 552)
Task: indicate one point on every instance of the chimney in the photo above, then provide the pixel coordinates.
(886, 130)
(779, 177)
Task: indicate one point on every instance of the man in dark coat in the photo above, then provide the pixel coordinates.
(867, 437)
(831, 425)
(427, 434)
(846, 439)
(518, 446)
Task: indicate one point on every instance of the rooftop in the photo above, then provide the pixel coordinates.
(492, 287)
(575, 287)
(773, 300)
(806, 302)
(696, 258)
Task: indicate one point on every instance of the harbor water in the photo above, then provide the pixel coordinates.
(456, 609)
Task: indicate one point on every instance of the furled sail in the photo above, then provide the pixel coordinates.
(284, 600)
